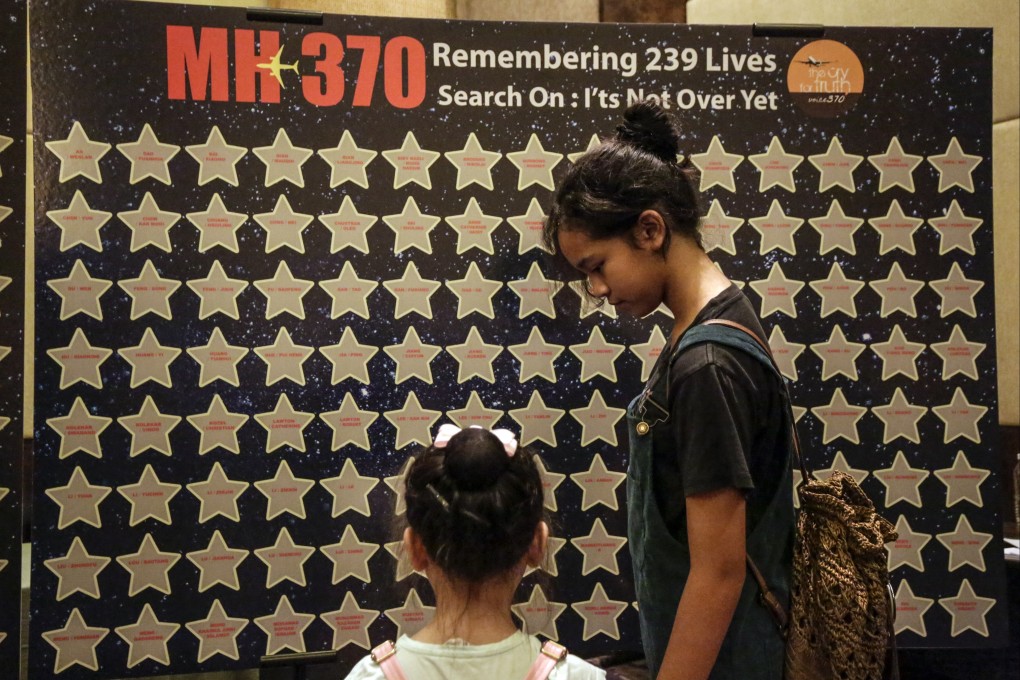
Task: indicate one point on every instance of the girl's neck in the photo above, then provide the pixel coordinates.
(478, 615)
(693, 281)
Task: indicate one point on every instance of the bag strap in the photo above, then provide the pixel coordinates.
(385, 657)
(551, 654)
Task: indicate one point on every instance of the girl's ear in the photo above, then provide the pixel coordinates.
(649, 232)
(536, 551)
(415, 550)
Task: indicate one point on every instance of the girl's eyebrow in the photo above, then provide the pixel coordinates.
(584, 262)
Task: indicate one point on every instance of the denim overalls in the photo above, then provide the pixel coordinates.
(753, 648)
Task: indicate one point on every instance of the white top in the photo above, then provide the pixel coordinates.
(508, 659)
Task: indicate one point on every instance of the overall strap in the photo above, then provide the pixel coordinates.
(551, 654)
(385, 656)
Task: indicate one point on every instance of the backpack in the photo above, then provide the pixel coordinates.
(551, 654)
(842, 608)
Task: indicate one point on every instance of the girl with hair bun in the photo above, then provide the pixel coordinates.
(708, 484)
(475, 523)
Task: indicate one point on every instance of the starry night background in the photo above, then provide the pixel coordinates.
(12, 313)
(103, 64)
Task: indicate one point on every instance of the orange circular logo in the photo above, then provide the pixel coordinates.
(825, 78)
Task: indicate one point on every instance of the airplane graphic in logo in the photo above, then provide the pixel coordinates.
(811, 61)
(276, 67)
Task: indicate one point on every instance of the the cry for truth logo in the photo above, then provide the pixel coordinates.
(825, 78)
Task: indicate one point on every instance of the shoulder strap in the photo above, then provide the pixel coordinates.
(551, 654)
(385, 656)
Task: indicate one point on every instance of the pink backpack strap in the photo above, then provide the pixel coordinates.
(385, 656)
(551, 654)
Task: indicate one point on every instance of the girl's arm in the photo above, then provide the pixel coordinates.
(715, 529)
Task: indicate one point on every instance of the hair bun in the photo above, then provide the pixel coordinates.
(475, 459)
(648, 127)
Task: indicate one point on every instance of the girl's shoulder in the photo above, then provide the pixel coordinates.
(576, 668)
(366, 669)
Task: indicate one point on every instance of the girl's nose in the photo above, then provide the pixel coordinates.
(597, 286)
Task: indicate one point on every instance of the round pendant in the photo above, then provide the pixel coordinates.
(642, 427)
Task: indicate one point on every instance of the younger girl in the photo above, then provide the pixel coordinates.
(474, 510)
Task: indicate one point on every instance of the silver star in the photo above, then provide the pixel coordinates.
(955, 167)
(149, 157)
(79, 155)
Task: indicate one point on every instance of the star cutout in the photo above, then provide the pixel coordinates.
(785, 352)
(284, 359)
(474, 292)
(285, 628)
(77, 571)
(285, 560)
(535, 293)
(412, 293)
(411, 228)
(350, 623)
(965, 545)
(149, 225)
(473, 163)
(910, 610)
(897, 292)
(283, 292)
(539, 614)
(216, 159)
(537, 420)
(149, 567)
(149, 497)
(349, 358)
(79, 155)
(349, 424)
(147, 638)
(896, 230)
(413, 357)
(403, 562)
(550, 482)
(776, 229)
(535, 165)
(350, 557)
(529, 228)
(218, 495)
(836, 229)
(79, 361)
(836, 167)
(963, 482)
(895, 167)
(898, 355)
(956, 230)
(75, 643)
(960, 418)
(79, 430)
(598, 485)
(902, 482)
(474, 357)
(593, 143)
(598, 421)
(475, 414)
(217, 563)
(149, 292)
(283, 160)
(837, 292)
(412, 616)
(777, 292)
(599, 549)
(218, 427)
(149, 157)
(839, 418)
(716, 166)
(648, 352)
(955, 167)
(776, 167)
(284, 426)
(968, 610)
(957, 292)
(899, 418)
(600, 614)
(536, 357)
(217, 292)
(906, 549)
(347, 162)
(474, 228)
(285, 492)
(841, 464)
(79, 224)
(149, 360)
(78, 500)
(718, 229)
(217, 359)
(411, 163)
(217, 633)
(349, 293)
(413, 423)
(348, 227)
(597, 356)
(349, 491)
(283, 226)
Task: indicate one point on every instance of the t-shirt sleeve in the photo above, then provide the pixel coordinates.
(713, 420)
(366, 669)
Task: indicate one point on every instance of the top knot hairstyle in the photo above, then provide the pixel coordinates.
(635, 170)
(474, 507)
